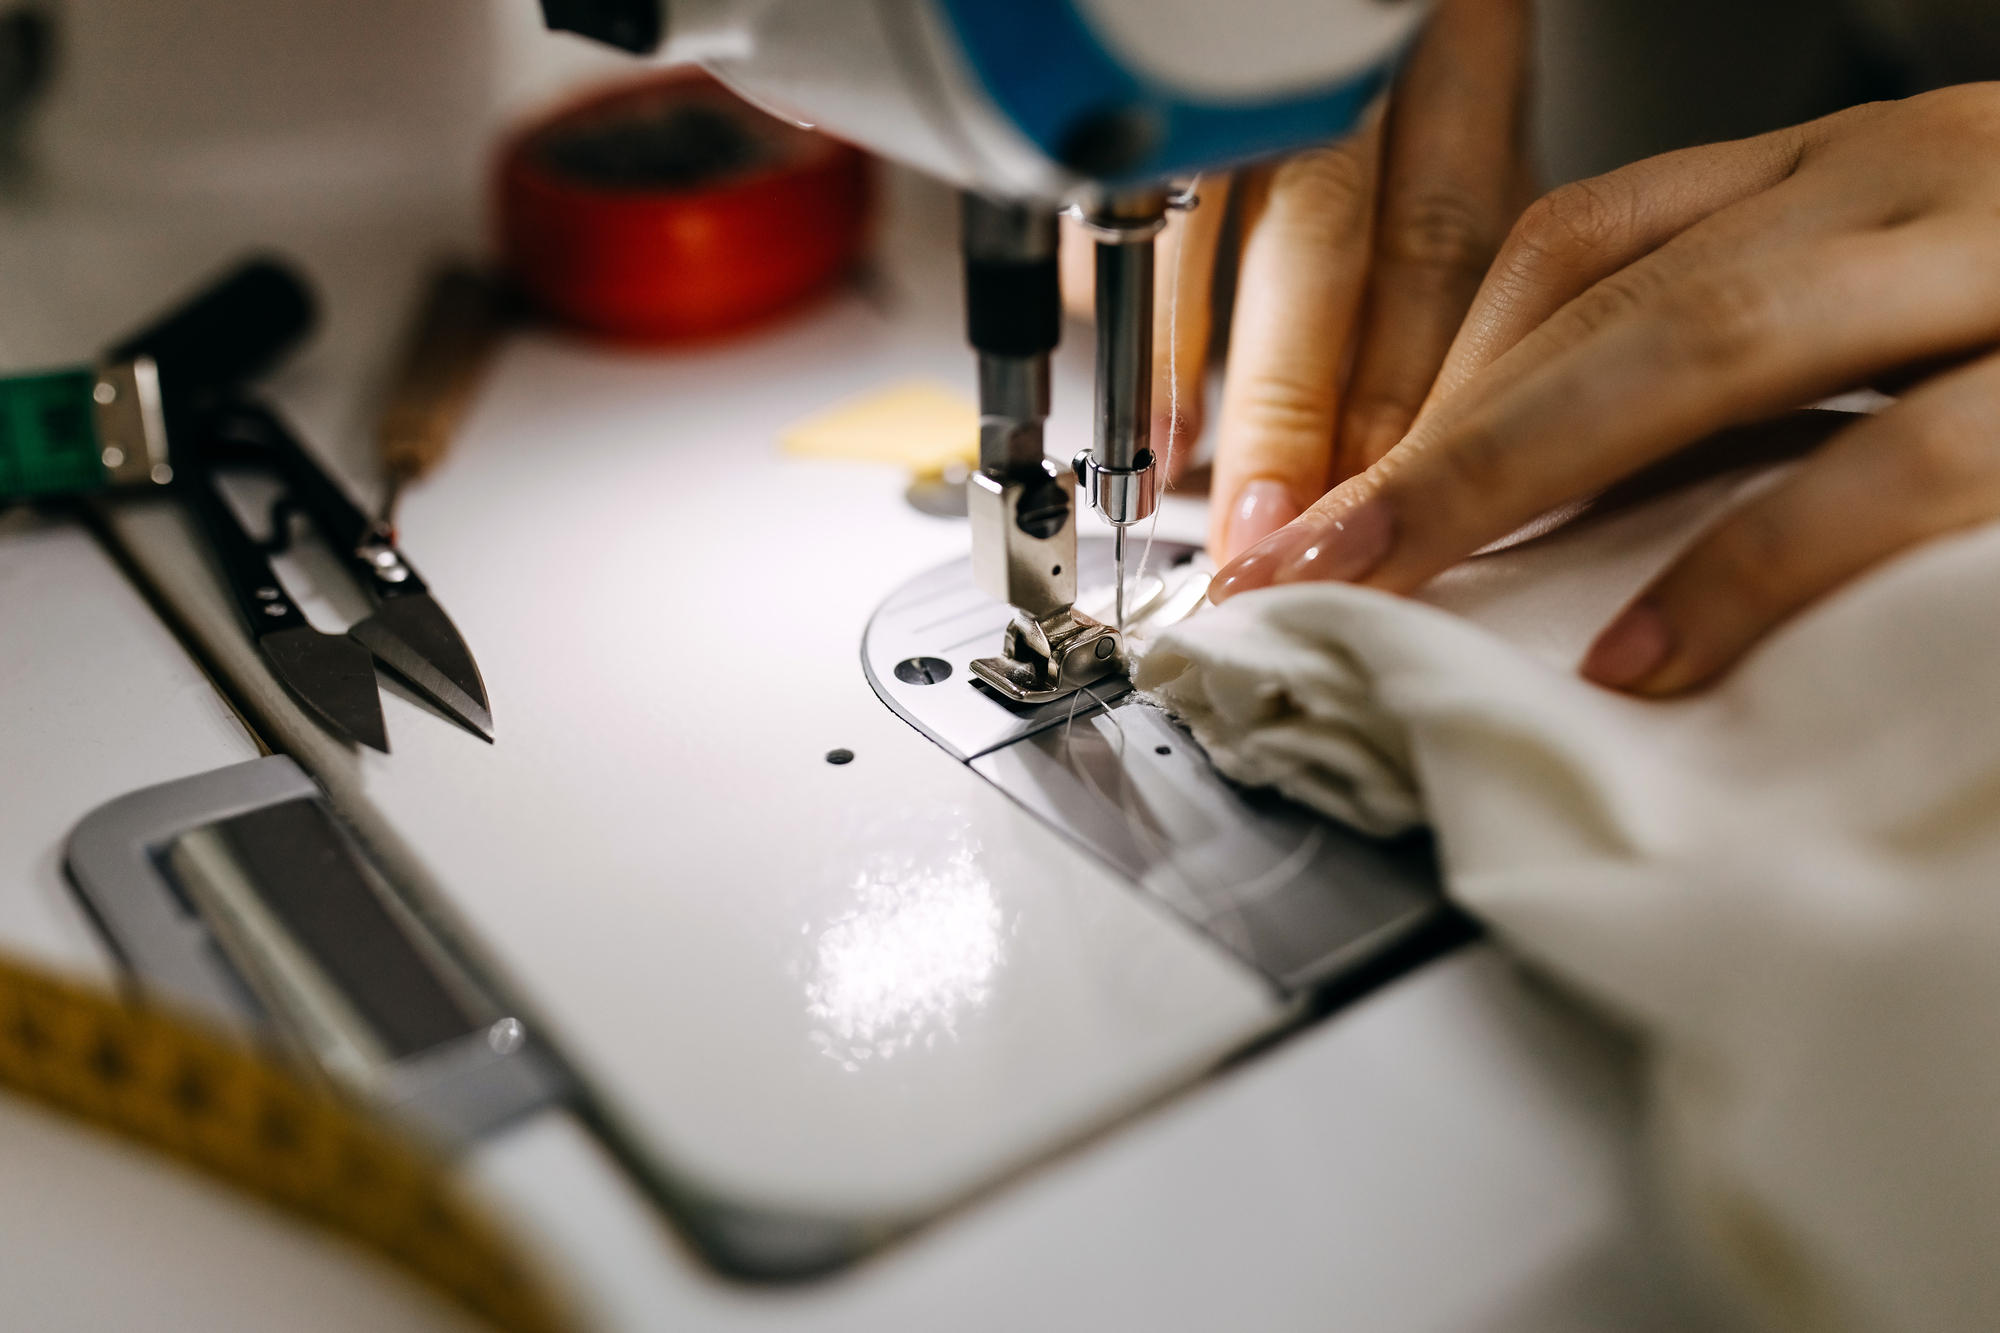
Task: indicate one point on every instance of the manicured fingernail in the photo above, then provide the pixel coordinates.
(1256, 567)
(1344, 547)
(1630, 649)
(1262, 508)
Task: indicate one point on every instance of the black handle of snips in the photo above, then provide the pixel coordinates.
(235, 328)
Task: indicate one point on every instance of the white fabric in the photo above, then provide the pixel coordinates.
(1790, 885)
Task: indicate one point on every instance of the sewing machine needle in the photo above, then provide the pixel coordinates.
(1118, 560)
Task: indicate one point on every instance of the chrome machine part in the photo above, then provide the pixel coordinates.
(238, 894)
(1013, 405)
(1024, 537)
(1043, 659)
(1013, 318)
(1318, 909)
(1022, 507)
(1118, 473)
(126, 403)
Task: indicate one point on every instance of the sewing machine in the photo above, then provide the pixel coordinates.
(951, 994)
(1013, 661)
(1093, 105)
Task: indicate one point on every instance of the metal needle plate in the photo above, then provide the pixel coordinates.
(1305, 901)
(1298, 897)
(943, 620)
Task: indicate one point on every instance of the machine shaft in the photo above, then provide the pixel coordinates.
(1024, 542)
(1124, 424)
(1118, 472)
(1021, 505)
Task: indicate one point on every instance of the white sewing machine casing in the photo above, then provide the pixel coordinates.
(1035, 98)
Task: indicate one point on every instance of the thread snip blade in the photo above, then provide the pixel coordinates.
(415, 638)
(334, 678)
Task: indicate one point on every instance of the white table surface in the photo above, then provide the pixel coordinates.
(1455, 1153)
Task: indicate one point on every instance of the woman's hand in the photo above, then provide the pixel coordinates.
(1359, 263)
(1632, 314)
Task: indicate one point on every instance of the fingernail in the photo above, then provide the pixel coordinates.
(1345, 546)
(1256, 567)
(1262, 508)
(1630, 649)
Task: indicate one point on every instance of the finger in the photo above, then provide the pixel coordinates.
(1452, 167)
(1304, 265)
(1900, 380)
(1699, 345)
(1791, 214)
(1573, 238)
(1927, 466)
(1682, 352)
(1183, 277)
(1076, 268)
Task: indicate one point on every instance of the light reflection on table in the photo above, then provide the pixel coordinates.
(912, 956)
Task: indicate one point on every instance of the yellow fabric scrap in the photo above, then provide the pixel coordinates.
(921, 425)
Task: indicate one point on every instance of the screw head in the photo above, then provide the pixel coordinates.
(112, 456)
(275, 609)
(506, 1036)
(1043, 509)
(840, 756)
(106, 392)
(1105, 647)
(923, 670)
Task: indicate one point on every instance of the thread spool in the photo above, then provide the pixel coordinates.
(670, 209)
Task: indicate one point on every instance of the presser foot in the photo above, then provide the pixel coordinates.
(1051, 657)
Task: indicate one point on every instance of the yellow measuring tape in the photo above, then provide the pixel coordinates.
(217, 1104)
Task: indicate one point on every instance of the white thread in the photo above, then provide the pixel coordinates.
(1213, 897)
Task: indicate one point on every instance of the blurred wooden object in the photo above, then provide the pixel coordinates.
(458, 324)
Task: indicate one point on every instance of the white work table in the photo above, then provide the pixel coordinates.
(1456, 1152)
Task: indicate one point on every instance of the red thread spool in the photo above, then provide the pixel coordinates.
(671, 209)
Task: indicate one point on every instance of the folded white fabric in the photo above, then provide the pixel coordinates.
(1790, 884)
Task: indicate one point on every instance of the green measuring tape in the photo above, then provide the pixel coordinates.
(64, 432)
